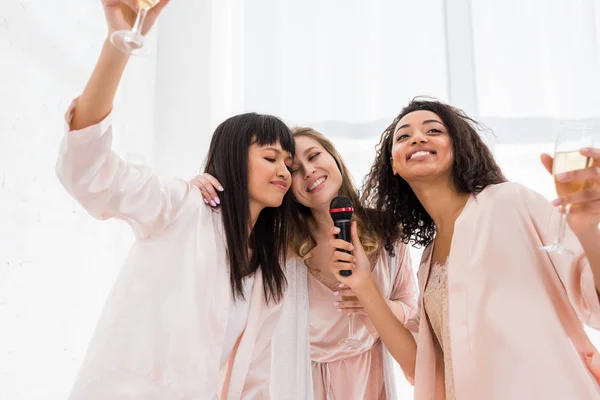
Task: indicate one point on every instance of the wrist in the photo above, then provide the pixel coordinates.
(367, 289)
(113, 53)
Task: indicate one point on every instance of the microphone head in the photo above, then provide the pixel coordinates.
(341, 208)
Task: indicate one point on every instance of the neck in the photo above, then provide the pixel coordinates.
(321, 222)
(441, 201)
(255, 210)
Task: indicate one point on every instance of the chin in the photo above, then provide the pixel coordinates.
(273, 203)
(420, 176)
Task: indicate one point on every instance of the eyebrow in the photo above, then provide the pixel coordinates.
(275, 149)
(309, 149)
(428, 121)
(278, 151)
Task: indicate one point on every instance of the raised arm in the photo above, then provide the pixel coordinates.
(104, 184)
(95, 103)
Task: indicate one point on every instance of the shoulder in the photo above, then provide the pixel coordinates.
(509, 206)
(502, 190)
(196, 212)
(509, 195)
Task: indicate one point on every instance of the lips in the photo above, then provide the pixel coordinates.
(282, 185)
(316, 184)
(419, 153)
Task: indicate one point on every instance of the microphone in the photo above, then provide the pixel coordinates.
(341, 211)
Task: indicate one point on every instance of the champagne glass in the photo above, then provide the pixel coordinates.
(133, 42)
(571, 138)
(351, 340)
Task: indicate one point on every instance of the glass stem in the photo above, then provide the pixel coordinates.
(351, 326)
(563, 223)
(139, 20)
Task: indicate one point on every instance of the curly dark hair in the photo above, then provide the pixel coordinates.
(473, 169)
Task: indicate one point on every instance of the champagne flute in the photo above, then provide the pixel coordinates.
(133, 42)
(351, 340)
(571, 138)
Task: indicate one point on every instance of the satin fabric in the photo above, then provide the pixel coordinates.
(161, 332)
(506, 305)
(333, 371)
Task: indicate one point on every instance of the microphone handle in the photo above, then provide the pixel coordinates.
(344, 234)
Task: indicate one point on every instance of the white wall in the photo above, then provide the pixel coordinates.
(56, 264)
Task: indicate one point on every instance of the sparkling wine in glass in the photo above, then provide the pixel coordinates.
(132, 41)
(351, 340)
(571, 139)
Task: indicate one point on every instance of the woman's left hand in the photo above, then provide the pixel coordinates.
(584, 216)
(348, 306)
(209, 186)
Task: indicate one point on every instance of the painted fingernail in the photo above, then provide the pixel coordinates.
(556, 202)
(220, 189)
(336, 293)
(336, 303)
(339, 310)
(217, 200)
(206, 201)
(212, 203)
(341, 285)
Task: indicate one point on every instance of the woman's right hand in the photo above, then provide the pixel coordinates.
(120, 14)
(208, 185)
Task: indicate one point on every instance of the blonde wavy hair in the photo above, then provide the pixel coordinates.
(301, 240)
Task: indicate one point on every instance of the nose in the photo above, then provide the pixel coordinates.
(309, 170)
(419, 137)
(283, 173)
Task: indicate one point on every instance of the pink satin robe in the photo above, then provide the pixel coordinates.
(507, 339)
(162, 328)
(339, 372)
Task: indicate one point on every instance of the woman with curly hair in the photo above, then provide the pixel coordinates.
(310, 362)
(499, 318)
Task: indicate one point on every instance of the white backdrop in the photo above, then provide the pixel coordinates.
(344, 66)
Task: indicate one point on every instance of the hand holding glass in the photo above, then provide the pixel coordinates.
(132, 41)
(571, 139)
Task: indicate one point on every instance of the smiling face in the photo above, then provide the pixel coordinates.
(268, 175)
(421, 147)
(316, 178)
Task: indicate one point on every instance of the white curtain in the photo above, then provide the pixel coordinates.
(346, 67)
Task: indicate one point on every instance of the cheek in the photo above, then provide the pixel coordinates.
(296, 188)
(448, 157)
(257, 173)
(335, 172)
(397, 156)
(253, 184)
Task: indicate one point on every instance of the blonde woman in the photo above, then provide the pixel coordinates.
(314, 319)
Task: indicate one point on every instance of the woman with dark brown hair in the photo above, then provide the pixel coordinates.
(311, 362)
(499, 318)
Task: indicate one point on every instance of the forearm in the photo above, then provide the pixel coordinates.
(396, 337)
(590, 242)
(96, 101)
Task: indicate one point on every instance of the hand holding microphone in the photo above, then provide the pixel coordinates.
(349, 262)
(341, 211)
